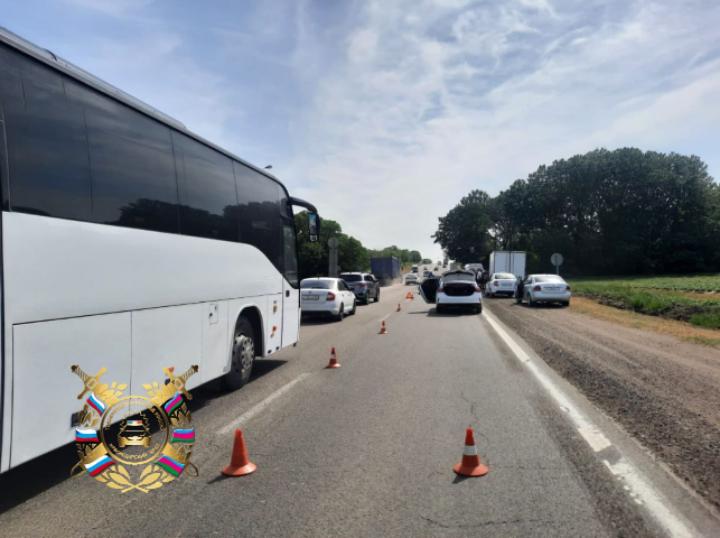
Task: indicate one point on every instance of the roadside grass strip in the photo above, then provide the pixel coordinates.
(696, 302)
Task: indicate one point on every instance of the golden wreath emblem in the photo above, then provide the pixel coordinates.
(134, 443)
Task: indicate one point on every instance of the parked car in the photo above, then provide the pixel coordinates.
(364, 285)
(454, 288)
(546, 289)
(501, 284)
(411, 278)
(326, 296)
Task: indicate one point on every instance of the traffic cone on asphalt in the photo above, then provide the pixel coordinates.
(240, 463)
(333, 360)
(409, 296)
(470, 464)
(398, 308)
(383, 329)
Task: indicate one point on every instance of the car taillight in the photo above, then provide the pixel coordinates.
(330, 296)
(441, 289)
(363, 285)
(477, 288)
(537, 288)
(567, 288)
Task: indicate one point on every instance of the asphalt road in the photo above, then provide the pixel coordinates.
(364, 450)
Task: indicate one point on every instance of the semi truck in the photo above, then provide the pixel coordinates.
(386, 268)
(507, 261)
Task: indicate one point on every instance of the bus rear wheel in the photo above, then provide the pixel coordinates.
(243, 356)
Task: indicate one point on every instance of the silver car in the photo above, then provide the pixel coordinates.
(326, 296)
(545, 289)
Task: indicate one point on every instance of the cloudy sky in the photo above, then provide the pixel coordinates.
(385, 112)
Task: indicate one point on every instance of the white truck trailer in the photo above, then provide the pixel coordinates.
(507, 261)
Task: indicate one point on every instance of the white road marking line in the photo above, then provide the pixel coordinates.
(261, 406)
(638, 487)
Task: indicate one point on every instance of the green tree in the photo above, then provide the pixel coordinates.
(465, 232)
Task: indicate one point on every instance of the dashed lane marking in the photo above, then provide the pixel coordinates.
(638, 487)
(261, 406)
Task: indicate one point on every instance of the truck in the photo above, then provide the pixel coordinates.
(386, 268)
(507, 261)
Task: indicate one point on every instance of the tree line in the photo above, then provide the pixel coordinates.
(608, 212)
(313, 257)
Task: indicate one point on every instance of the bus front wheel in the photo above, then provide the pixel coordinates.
(243, 356)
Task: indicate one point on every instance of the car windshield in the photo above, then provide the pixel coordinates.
(548, 278)
(315, 283)
(503, 276)
(459, 276)
(351, 278)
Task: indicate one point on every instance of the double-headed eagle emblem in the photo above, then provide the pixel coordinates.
(134, 443)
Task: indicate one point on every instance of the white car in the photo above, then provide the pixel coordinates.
(328, 296)
(501, 284)
(454, 289)
(546, 289)
(411, 278)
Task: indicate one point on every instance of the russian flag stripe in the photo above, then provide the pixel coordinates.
(99, 465)
(84, 435)
(96, 403)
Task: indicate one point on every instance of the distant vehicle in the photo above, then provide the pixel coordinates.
(454, 289)
(546, 289)
(437, 268)
(364, 285)
(427, 274)
(326, 296)
(474, 267)
(386, 269)
(411, 278)
(508, 261)
(501, 284)
(414, 269)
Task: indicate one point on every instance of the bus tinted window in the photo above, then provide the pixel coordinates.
(47, 147)
(260, 212)
(131, 159)
(207, 190)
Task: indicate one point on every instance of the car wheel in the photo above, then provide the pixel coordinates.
(354, 308)
(565, 303)
(377, 296)
(341, 313)
(438, 309)
(478, 309)
(530, 300)
(243, 356)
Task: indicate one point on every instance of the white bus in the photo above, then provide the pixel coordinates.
(127, 242)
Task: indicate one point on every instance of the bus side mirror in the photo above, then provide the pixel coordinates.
(313, 226)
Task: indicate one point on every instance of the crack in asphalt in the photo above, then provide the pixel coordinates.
(489, 523)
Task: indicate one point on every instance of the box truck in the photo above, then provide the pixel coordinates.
(386, 269)
(507, 261)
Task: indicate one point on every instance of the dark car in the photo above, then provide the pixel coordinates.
(364, 285)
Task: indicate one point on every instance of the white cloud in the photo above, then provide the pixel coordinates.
(476, 95)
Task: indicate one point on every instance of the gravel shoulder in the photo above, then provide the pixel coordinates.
(663, 390)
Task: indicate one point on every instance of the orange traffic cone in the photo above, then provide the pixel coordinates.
(398, 308)
(470, 464)
(333, 360)
(409, 296)
(383, 329)
(240, 463)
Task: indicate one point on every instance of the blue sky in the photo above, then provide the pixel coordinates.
(384, 113)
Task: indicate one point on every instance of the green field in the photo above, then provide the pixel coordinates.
(694, 298)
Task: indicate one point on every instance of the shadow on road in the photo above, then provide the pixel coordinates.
(32, 478)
